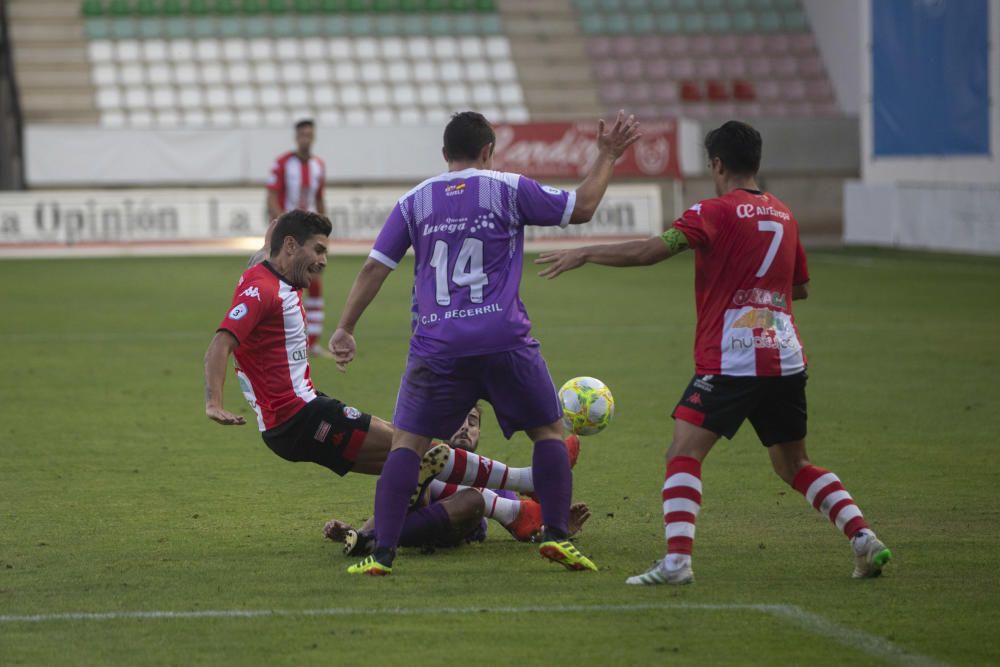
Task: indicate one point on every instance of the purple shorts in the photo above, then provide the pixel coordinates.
(436, 393)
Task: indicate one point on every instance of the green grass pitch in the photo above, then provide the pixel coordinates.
(117, 494)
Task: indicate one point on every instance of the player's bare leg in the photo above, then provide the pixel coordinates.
(825, 492)
(681, 503)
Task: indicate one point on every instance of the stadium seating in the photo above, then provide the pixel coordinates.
(705, 57)
(168, 63)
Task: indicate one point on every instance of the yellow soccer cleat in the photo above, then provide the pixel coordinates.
(566, 555)
(371, 567)
(431, 465)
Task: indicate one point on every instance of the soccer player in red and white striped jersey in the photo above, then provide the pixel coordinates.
(750, 365)
(265, 330)
(296, 182)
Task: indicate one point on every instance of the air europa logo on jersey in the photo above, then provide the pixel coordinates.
(749, 211)
(745, 211)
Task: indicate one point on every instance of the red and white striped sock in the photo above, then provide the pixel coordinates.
(438, 490)
(825, 492)
(471, 469)
(495, 506)
(314, 311)
(681, 504)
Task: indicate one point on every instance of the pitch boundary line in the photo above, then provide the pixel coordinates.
(817, 625)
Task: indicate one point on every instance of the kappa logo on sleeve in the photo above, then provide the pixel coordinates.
(253, 292)
(696, 208)
(238, 312)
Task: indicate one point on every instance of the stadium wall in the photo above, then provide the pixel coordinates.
(837, 27)
(930, 132)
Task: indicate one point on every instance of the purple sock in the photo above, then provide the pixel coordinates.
(392, 498)
(427, 525)
(553, 485)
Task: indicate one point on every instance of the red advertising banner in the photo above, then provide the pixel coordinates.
(552, 150)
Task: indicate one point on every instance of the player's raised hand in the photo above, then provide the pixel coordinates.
(224, 417)
(622, 134)
(343, 347)
(560, 261)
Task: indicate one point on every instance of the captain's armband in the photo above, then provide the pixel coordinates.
(675, 240)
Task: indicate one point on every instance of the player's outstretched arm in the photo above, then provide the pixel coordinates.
(216, 361)
(611, 145)
(630, 253)
(366, 286)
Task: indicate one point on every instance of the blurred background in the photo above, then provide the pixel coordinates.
(150, 126)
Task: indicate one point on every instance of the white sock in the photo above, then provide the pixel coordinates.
(502, 510)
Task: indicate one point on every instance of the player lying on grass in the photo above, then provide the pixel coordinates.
(265, 330)
(749, 266)
(460, 511)
(472, 338)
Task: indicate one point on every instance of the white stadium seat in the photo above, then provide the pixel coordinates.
(238, 73)
(186, 74)
(399, 72)
(313, 49)
(445, 48)
(419, 48)
(213, 74)
(471, 47)
(450, 70)
(477, 70)
(510, 94)
(195, 118)
(365, 48)
(323, 96)
(345, 72)
(168, 118)
(497, 47)
(404, 95)
(516, 114)
(113, 119)
(101, 51)
(430, 95)
(159, 74)
(296, 95)
(235, 49)
(132, 74)
(180, 49)
(261, 49)
(351, 95)
(248, 118)
(356, 116)
(425, 72)
(293, 72)
(392, 48)
(190, 97)
(136, 98)
(265, 72)
(504, 70)
(222, 118)
(372, 72)
(127, 51)
(276, 117)
(244, 97)
(271, 97)
(217, 98)
(377, 96)
(105, 75)
(140, 119)
(207, 50)
(383, 117)
(318, 72)
(457, 95)
(483, 93)
(410, 116)
(287, 49)
(330, 118)
(154, 50)
(339, 49)
(109, 98)
(164, 98)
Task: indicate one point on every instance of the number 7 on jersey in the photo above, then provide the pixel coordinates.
(778, 230)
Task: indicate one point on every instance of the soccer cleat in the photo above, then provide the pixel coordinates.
(659, 574)
(870, 556)
(431, 466)
(573, 449)
(566, 555)
(358, 544)
(528, 523)
(370, 567)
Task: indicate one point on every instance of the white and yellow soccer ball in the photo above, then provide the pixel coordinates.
(588, 405)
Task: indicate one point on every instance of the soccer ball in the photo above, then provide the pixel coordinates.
(588, 405)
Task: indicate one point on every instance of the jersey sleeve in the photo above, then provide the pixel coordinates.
(250, 303)
(276, 179)
(543, 205)
(700, 223)
(801, 273)
(394, 239)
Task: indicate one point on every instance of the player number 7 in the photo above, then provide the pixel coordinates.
(772, 250)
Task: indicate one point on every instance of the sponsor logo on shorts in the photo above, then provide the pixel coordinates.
(299, 355)
(704, 383)
(238, 312)
(351, 413)
(695, 399)
(322, 431)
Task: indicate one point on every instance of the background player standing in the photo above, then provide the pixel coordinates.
(472, 338)
(296, 182)
(749, 266)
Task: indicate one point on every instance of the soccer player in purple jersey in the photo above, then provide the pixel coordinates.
(472, 337)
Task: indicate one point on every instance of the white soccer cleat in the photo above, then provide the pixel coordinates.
(659, 574)
(870, 555)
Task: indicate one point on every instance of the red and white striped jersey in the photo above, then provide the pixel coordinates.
(747, 257)
(296, 182)
(272, 364)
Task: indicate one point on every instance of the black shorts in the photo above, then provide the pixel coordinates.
(775, 406)
(326, 432)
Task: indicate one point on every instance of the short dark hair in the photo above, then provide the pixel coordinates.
(737, 145)
(305, 122)
(466, 134)
(300, 225)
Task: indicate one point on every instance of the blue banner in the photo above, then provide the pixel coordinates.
(930, 77)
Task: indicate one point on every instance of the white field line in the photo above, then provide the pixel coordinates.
(812, 623)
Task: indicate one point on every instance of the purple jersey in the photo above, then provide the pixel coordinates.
(467, 232)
